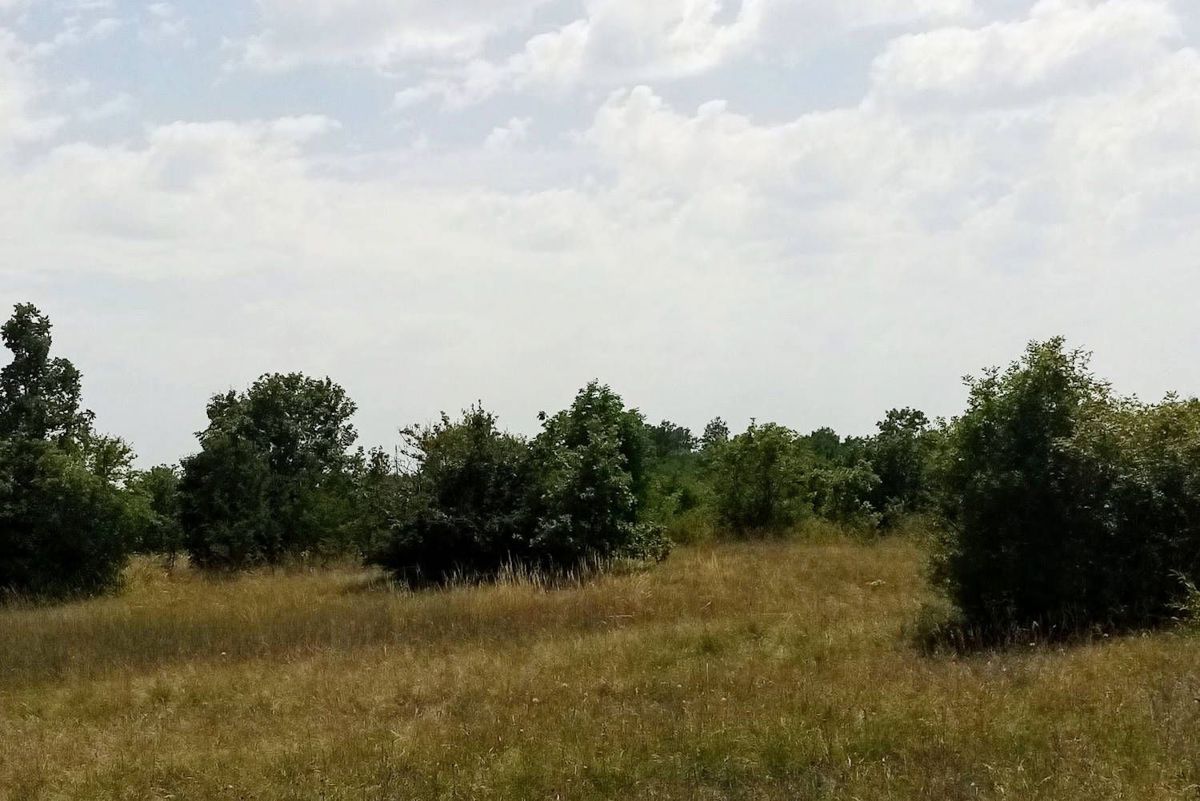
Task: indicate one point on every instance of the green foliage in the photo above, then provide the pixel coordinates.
(841, 493)
(155, 505)
(1067, 506)
(477, 500)
(63, 516)
(39, 396)
(715, 433)
(900, 455)
(760, 480)
(463, 511)
(274, 474)
(61, 526)
(590, 465)
(677, 496)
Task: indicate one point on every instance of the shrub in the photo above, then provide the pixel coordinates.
(464, 509)
(61, 526)
(760, 479)
(590, 471)
(274, 474)
(1066, 506)
(842, 494)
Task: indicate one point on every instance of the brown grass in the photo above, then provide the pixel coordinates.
(778, 670)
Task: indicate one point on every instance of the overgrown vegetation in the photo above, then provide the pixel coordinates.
(1061, 505)
(1068, 506)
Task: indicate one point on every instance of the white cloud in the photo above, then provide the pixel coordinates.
(1063, 46)
(508, 135)
(19, 121)
(377, 33)
(627, 41)
(999, 180)
(75, 32)
(120, 105)
(163, 24)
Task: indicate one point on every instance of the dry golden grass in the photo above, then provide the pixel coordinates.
(774, 670)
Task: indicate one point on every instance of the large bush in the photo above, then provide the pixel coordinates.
(464, 509)
(274, 474)
(591, 480)
(62, 528)
(1066, 506)
(477, 500)
(760, 479)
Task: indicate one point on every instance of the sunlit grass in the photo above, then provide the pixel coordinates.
(755, 670)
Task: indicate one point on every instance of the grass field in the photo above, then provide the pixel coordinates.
(779, 670)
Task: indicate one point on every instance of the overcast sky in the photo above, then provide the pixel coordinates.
(797, 210)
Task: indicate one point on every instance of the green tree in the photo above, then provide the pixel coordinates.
(590, 464)
(900, 455)
(63, 514)
(274, 474)
(760, 479)
(1066, 505)
(39, 395)
(464, 511)
(716, 432)
(155, 494)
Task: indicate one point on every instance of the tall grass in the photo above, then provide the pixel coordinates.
(781, 669)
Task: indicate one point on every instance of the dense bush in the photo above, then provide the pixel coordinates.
(760, 480)
(1066, 506)
(841, 493)
(477, 500)
(61, 527)
(677, 494)
(464, 510)
(590, 468)
(274, 474)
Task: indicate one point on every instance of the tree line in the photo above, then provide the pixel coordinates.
(1055, 501)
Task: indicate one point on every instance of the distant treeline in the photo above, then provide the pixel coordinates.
(1057, 502)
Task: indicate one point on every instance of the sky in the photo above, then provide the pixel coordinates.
(790, 210)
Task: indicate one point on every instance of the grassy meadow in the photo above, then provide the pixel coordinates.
(766, 670)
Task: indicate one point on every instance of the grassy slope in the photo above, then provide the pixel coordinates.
(768, 670)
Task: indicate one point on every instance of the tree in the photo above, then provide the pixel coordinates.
(825, 444)
(61, 527)
(273, 476)
(155, 497)
(62, 514)
(900, 454)
(716, 432)
(1066, 505)
(590, 465)
(675, 491)
(464, 512)
(39, 395)
(760, 479)
(670, 441)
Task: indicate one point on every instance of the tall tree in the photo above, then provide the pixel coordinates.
(62, 515)
(39, 395)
